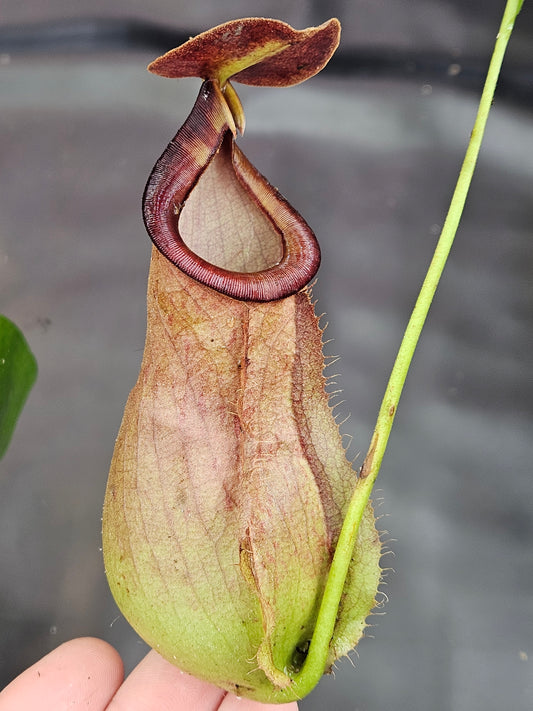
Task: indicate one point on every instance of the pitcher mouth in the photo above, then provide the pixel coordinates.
(207, 133)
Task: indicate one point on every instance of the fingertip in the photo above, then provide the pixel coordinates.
(85, 671)
(157, 685)
(92, 647)
(235, 703)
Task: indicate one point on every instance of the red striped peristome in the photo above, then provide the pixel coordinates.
(175, 175)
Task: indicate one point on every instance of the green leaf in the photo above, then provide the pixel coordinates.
(18, 370)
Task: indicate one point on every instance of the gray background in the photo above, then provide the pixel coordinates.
(371, 164)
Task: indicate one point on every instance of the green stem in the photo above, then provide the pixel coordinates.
(316, 659)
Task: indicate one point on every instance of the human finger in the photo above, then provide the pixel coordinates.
(233, 703)
(157, 685)
(82, 673)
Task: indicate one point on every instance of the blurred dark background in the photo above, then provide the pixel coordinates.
(369, 153)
